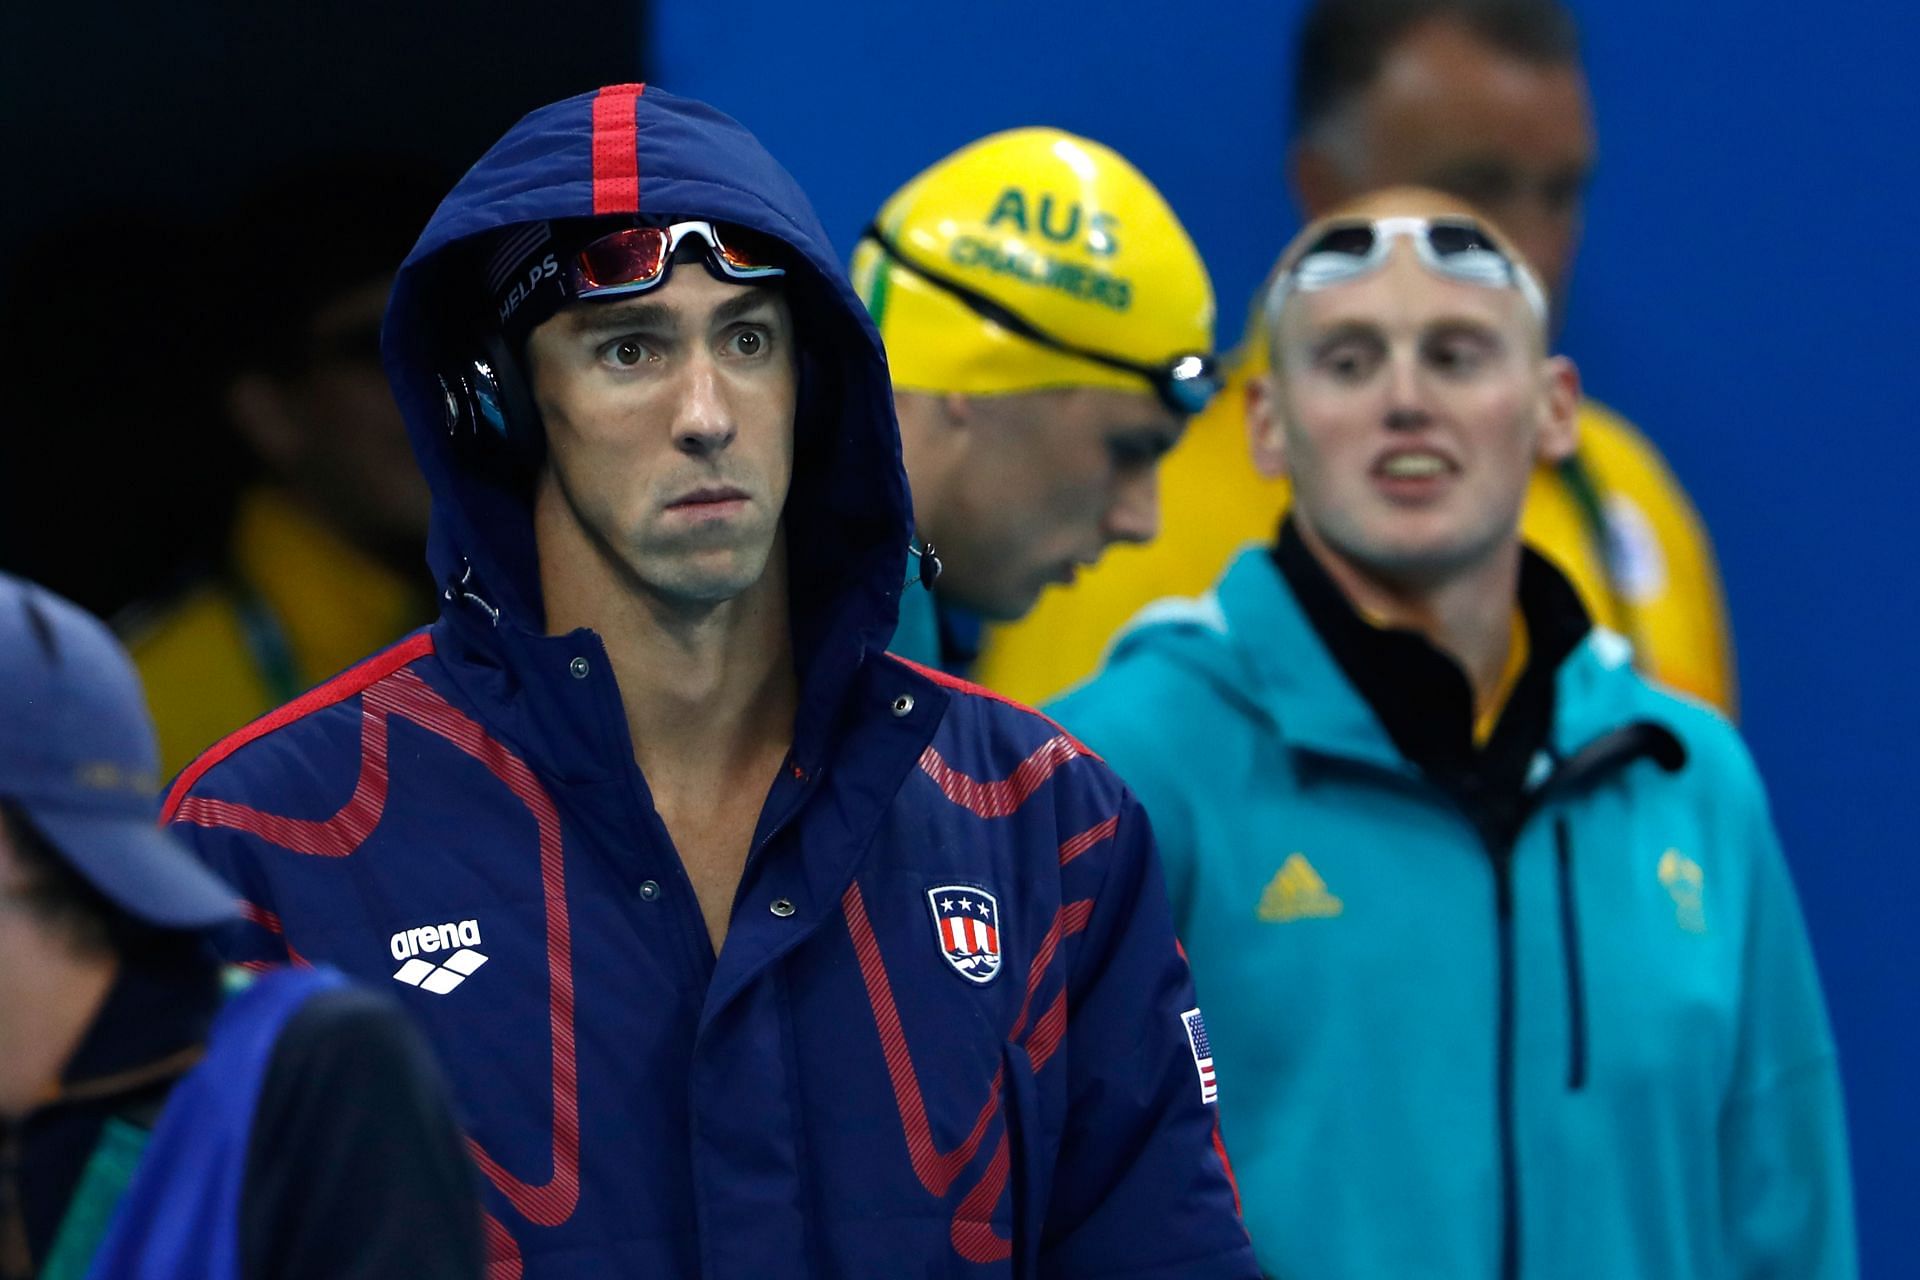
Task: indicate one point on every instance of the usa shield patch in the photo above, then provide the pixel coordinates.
(966, 924)
(1196, 1028)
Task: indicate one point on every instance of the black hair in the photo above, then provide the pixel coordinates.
(1343, 43)
(68, 905)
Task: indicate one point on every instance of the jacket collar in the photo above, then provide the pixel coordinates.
(1420, 695)
(1290, 673)
(151, 1026)
(1337, 685)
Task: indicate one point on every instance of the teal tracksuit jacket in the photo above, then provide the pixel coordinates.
(1601, 1052)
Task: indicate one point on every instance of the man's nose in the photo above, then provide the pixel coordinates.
(704, 423)
(1406, 406)
(1134, 515)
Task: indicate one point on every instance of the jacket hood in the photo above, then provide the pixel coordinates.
(632, 149)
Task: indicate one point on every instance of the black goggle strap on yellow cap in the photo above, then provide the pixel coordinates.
(1185, 384)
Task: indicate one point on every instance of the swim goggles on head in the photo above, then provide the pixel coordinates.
(635, 259)
(1185, 384)
(1455, 247)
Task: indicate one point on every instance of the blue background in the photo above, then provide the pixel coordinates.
(1747, 294)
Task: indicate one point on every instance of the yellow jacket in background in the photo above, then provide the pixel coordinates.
(298, 604)
(1656, 583)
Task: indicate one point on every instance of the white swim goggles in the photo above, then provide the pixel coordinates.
(1454, 247)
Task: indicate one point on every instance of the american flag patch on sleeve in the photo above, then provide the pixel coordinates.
(1202, 1054)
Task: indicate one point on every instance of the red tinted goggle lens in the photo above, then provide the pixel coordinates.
(637, 257)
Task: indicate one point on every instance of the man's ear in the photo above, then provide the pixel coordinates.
(258, 407)
(1560, 419)
(1266, 425)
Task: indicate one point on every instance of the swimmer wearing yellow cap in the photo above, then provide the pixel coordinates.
(1050, 330)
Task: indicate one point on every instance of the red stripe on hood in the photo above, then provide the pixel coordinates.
(616, 159)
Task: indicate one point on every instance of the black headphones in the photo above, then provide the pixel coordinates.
(489, 406)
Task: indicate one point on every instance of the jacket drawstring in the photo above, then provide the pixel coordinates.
(457, 589)
(1576, 975)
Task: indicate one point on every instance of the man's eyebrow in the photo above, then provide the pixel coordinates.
(1343, 331)
(1465, 326)
(655, 316)
(625, 315)
(747, 300)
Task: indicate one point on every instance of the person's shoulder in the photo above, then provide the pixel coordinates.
(1169, 702)
(974, 711)
(1715, 748)
(1717, 758)
(1622, 457)
(197, 665)
(1171, 654)
(281, 749)
(986, 735)
(196, 627)
(1607, 429)
(347, 1023)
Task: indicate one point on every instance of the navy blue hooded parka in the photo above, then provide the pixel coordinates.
(949, 1032)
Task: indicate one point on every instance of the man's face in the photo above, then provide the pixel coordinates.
(25, 941)
(1049, 481)
(669, 420)
(1409, 411)
(1447, 110)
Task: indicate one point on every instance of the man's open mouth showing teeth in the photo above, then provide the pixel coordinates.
(1414, 465)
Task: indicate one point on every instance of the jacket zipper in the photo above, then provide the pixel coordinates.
(1611, 751)
(1509, 1157)
(1576, 976)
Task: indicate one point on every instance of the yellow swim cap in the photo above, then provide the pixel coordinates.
(1059, 231)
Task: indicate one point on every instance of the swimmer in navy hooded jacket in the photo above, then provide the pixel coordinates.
(751, 951)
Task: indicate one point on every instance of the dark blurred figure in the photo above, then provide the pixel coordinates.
(159, 1117)
(114, 469)
(1483, 99)
(325, 558)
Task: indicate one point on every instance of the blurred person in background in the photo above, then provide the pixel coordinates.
(1497, 935)
(159, 1118)
(116, 475)
(1484, 99)
(762, 962)
(325, 557)
(1049, 326)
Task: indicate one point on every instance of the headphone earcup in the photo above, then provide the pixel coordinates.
(503, 399)
(490, 409)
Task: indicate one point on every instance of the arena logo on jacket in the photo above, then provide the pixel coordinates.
(459, 936)
(966, 924)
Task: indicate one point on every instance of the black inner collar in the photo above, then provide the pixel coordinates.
(163, 1001)
(1423, 698)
